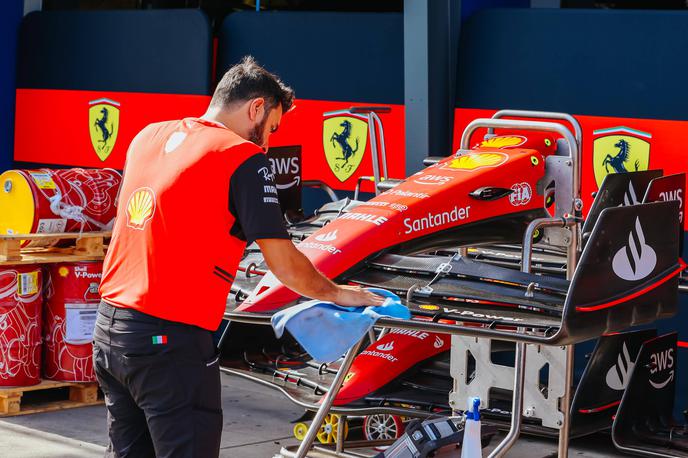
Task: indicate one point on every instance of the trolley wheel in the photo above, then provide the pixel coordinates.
(383, 426)
(330, 429)
(300, 430)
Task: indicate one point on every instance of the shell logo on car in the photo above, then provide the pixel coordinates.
(503, 141)
(140, 208)
(428, 307)
(475, 161)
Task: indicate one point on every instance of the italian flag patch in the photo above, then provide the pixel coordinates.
(159, 340)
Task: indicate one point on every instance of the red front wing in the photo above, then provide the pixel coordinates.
(433, 200)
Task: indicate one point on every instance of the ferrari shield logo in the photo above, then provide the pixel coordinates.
(620, 149)
(103, 119)
(344, 142)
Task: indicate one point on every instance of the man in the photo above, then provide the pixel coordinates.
(195, 191)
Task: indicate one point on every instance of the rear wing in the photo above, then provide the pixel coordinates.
(670, 187)
(644, 423)
(628, 271)
(619, 189)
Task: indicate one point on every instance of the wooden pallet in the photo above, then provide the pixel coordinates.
(47, 396)
(88, 246)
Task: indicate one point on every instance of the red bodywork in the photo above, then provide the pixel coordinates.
(70, 286)
(384, 360)
(433, 200)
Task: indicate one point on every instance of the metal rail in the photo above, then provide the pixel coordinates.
(575, 163)
(521, 337)
(520, 356)
(578, 132)
(353, 411)
(328, 400)
(574, 151)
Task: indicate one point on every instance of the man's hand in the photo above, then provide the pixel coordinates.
(296, 272)
(352, 296)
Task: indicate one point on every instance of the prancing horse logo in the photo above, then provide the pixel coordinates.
(344, 144)
(618, 150)
(103, 117)
(342, 138)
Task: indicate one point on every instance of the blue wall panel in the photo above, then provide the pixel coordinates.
(158, 51)
(594, 62)
(10, 16)
(324, 56)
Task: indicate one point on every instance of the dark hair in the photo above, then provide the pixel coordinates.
(247, 80)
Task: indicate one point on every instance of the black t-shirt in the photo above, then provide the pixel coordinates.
(253, 202)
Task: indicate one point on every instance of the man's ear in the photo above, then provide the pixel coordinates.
(255, 108)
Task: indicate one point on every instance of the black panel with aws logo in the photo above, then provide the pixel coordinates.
(286, 166)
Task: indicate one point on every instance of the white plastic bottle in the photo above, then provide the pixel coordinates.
(472, 445)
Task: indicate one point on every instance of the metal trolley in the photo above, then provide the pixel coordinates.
(582, 317)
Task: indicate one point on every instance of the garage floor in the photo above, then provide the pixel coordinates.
(256, 425)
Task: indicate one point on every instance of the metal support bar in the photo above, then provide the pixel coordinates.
(565, 431)
(541, 115)
(520, 357)
(575, 155)
(565, 407)
(383, 150)
(363, 179)
(373, 150)
(526, 254)
(516, 404)
(538, 126)
(341, 427)
(328, 400)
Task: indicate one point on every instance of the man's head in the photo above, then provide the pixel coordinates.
(250, 101)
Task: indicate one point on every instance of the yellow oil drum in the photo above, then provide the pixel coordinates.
(54, 200)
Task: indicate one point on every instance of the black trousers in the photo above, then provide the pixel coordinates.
(161, 381)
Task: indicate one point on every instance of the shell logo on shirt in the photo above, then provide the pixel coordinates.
(140, 208)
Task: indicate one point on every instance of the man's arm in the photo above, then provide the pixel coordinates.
(297, 273)
(253, 201)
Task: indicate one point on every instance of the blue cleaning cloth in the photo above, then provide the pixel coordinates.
(327, 330)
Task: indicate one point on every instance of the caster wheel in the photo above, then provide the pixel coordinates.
(383, 426)
(300, 430)
(331, 428)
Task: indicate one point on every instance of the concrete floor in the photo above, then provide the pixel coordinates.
(257, 423)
